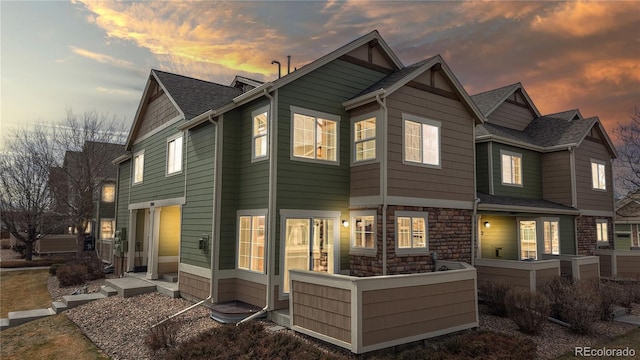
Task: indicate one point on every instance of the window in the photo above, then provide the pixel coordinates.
(260, 134)
(602, 232)
(421, 140)
(411, 231)
(528, 244)
(598, 175)
(551, 237)
(363, 232)
(138, 167)
(107, 228)
(364, 139)
(174, 154)
(315, 135)
(109, 193)
(251, 240)
(511, 168)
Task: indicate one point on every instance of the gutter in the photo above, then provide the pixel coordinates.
(383, 180)
(474, 229)
(506, 141)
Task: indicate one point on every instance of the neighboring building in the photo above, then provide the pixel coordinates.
(544, 182)
(628, 222)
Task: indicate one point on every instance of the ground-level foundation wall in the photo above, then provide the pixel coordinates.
(193, 287)
(234, 289)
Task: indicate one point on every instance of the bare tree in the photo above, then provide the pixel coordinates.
(89, 144)
(25, 199)
(629, 151)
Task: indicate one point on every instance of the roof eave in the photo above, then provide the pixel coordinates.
(120, 159)
(364, 99)
(526, 209)
(507, 141)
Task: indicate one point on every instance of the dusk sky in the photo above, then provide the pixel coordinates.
(96, 55)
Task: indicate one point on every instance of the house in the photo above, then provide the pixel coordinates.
(628, 222)
(545, 188)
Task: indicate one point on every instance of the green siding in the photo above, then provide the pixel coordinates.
(482, 167)
(531, 173)
(623, 241)
(122, 195)
(567, 235)
(156, 185)
(503, 233)
(197, 212)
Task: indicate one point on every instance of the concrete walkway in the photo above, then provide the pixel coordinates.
(24, 268)
(629, 319)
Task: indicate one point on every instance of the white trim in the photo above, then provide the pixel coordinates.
(412, 250)
(168, 259)
(158, 203)
(170, 139)
(520, 265)
(133, 165)
(604, 165)
(602, 213)
(317, 115)
(357, 250)
(511, 154)
(243, 274)
(423, 121)
(262, 110)
(490, 164)
(427, 202)
(606, 233)
(352, 158)
(542, 220)
(195, 270)
(252, 213)
(159, 128)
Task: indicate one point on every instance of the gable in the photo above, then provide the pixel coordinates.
(436, 79)
(371, 55)
(157, 110)
(514, 113)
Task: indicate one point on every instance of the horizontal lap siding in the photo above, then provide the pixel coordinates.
(455, 179)
(322, 309)
(605, 265)
(56, 244)
(365, 180)
(397, 313)
(511, 116)
(628, 266)
(567, 233)
(588, 198)
(242, 290)
(502, 234)
(197, 213)
(545, 275)
(556, 177)
(518, 277)
(482, 167)
(588, 271)
(230, 190)
(566, 268)
(124, 185)
(531, 173)
(193, 285)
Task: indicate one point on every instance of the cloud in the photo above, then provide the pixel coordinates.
(105, 90)
(103, 58)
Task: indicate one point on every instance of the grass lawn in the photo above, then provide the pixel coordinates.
(23, 290)
(53, 337)
(630, 340)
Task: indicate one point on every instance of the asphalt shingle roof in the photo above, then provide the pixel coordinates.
(566, 115)
(487, 100)
(194, 96)
(393, 78)
(513, 201)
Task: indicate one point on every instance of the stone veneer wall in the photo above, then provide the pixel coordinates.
(449, 235)
(588, 236)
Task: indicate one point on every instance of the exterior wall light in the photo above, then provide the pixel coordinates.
(487, 224)
(345, 223)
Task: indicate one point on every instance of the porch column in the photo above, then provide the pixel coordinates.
(154, 239)
(133, 223)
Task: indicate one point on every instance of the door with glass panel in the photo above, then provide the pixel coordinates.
(309, 245)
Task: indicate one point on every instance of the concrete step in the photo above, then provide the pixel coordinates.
(170, 292)
(58, 306)
(108, 291)
(4, 323)
(76, 300)
(128, 286)
(21, 317)
(173, 277)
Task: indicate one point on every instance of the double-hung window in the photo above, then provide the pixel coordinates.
(251, 242)
(411, 231)
(364, 139)
(602, 232)
(314, 135)
(511, 168)
(174, 154)
(421, 140)
(598, 175)
(260, 134)
(138, 167)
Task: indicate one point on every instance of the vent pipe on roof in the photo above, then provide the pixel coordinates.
(279, 68)
(288, 64)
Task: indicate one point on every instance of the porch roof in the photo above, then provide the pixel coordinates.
(514, 204)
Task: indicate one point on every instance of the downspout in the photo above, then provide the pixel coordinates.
(383, 183)
(215, 125)
(474, 231)
(271, 210)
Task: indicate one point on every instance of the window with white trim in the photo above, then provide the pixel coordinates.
(528, 240)
(421, 140)
(174, 154)
(364, 139)
(411, 231)
(251, 242)
(108, 193)
(260, 134)
(314, 135)
(107, 227)
(602, 232)
(363, 232)
(511, 168)
(598, 175)
(138, 167)
(551, 230)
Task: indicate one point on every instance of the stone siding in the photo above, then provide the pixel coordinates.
(588, 236)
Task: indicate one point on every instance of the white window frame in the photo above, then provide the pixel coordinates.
(354, 142)
(413, 250)
(113, 228)
(421, 121)
(316, 114)
(595, 177)
(550, 220)
(252, 214)
(537, 229)
(173, 139)
(602, 238)
(359, 250)
(511, 181)
(103, 197)
(254, 137)
(135, 164)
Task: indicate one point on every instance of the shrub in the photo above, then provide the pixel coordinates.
(610, 294)
(5, 244)
(53, 269)
(21, 249)
(94, 267)
(71, 274)
(162, 337)
(629, 292)
(581, 307)
(555, 290)
(494, 294)
(483, 345)
(528, 310)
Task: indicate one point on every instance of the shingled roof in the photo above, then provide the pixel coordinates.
(487, 200)
(488, 100)
(393, 78)
(194, 96)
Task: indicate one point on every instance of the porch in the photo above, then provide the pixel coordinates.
(577, 267)
(618, 264)
(525, 274)
(363, 314)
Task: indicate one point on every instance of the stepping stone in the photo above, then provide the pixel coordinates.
(21, 317)
(76, 300)
(58, 306)
(4, 323)
(170, 277)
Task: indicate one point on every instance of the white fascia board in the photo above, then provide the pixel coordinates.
(120, 159)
